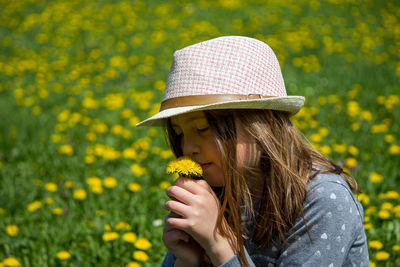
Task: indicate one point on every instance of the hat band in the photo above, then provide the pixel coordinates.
(195, 100)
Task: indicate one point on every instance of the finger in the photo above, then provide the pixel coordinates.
(178, 193)
(178, 223)
(190, 185)
(175, 235)
(178, 208)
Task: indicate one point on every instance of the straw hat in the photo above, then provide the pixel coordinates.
(229, 72)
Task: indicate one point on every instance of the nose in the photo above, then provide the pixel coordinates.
(190, 146)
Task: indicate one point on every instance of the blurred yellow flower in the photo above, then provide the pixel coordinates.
(129, 237)
(376, 244)
(122, 225)
(340, 148)
(12, 230)
(129, 153)
(143, 244)
(384, 214)
(35, 205)
(363, 198)
(137, 170)
(110, 236)
(110, 182)
(132, 264)
(57, 211)
(134, 187)
(396, 248)
(80, 194)
(375, 177)
(63, 255)
(165, 184)
(387, 206)
(140, 256)
(48, 200)
(66, 150)
(350, 162)
(97, 189)
(389, 138)
(367, 226)
(93, 181)
(394, 150)
(11, 262)
(51, 187)
(69, 184)
(382, 256)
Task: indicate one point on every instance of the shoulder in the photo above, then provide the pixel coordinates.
(331, 190)
(331, 203)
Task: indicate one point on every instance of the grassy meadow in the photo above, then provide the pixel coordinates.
(80, 185)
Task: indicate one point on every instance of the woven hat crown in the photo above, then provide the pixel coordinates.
(229, 72)
(225, 65)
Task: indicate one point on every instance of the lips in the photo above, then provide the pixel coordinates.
(205, 166)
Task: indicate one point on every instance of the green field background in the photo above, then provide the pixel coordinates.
(80, 185)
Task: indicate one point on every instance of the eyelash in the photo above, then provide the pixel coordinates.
(202, 130)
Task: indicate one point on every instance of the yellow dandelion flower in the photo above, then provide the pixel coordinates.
(350, 162)
(367, 226)
(66, 150)
(12, 230)
(122, 225)
(387, 206)
(185, 167)
(140, 256)
(33, 206)
(93, 181)
(80, 194)
(394, 150)
(63, 255)
(11, 262)
(384, 214)
(143, 244)
(389, 138)
(110, 236)
(51, 187)
(375, 177)
(363, 198)
(132, 264)
(57, 211)
(376, 244)
(110, 182)
(382, 256)
(164, 185)
(97, 189)
(396, 248)
(1, 211)
(129, 237)
(69, 184)
(134, 187)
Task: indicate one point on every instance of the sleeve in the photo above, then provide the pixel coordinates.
(169, 260)
(234, 261)
(333, 231)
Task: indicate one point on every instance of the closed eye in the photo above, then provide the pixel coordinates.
(202, 129)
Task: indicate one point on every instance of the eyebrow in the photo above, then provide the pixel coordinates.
(197, 117)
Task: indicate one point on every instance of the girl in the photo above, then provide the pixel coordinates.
(267, 198)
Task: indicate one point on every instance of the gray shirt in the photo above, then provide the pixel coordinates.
(334, 219)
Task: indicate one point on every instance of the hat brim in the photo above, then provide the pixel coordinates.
(291, 104)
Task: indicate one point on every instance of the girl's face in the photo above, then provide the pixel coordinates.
(197, 142)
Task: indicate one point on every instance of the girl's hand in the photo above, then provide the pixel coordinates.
(187, 251)
(198, 207)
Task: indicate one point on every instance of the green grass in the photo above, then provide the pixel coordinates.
(57, 56)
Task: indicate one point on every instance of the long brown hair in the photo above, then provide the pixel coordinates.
(286, 163)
